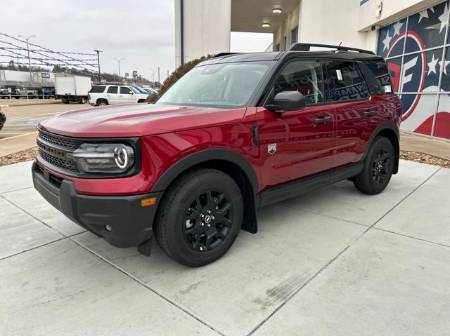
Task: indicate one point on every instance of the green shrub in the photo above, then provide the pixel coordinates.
(176, 75)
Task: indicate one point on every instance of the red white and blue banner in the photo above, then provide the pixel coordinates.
(418, 53)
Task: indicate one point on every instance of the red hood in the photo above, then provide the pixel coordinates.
(138, 120)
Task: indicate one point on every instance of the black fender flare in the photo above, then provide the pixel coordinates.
(387, 125)
(197, 158)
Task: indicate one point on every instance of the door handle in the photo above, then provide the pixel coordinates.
(322, 120)
(370, 113)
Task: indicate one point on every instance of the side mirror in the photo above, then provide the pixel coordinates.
(287, 101)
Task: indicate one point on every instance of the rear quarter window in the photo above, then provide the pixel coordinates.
(378, 77)
(97, 89)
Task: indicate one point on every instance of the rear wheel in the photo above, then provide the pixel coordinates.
(200, 217)
(378, 167)
(101, 102)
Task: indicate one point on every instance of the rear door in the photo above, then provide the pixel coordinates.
(297, 144)
(355, 113)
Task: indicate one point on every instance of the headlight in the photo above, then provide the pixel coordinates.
(104, 158)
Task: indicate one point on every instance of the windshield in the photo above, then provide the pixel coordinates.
(134, 89)
(227, 85)
(139, 89)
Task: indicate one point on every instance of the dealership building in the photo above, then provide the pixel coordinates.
(413, 35)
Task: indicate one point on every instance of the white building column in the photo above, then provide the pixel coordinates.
(206, 28)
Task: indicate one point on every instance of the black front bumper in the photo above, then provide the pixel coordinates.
(120, 220)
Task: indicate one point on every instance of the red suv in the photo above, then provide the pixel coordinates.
(238, 132)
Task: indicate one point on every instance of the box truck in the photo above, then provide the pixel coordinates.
(72, 88)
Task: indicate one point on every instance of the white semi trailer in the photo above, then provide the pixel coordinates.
(72, 88)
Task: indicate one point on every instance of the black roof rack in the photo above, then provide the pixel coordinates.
(307, 47)
(226, 54)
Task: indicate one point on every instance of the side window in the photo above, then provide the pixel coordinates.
(304, 76)
(344, 82)
(112, 89)
(97, 89)
(379, 78)
(125, 90)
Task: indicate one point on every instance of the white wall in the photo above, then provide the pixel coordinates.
(393, 10)
(331, 22)
(207, 26)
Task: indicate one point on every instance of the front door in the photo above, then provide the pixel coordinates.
(126, 96)
(299, 143)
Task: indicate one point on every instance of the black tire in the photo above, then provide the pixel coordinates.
(101, 102)
(203, 203)
(378, 167)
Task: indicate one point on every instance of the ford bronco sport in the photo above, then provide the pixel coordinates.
(237, 132)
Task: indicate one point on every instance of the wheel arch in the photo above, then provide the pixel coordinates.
(229, 162)
(391, 132)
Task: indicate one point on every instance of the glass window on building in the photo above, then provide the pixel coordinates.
(417, 52)
(294, 35)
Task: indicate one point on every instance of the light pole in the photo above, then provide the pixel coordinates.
(118, 63)
(29, 59)
(98, 64)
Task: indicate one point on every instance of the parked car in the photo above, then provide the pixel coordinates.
(46, 92)
(5, 93)
(115, 94)
(25, 93)
(2, 119)
(148, 91)
(237, 132)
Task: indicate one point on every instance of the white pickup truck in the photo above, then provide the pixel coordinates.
(115, 94)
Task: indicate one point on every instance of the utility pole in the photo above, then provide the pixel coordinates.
(98, 65)
(159, 75)
(29, 59)
(118, 63)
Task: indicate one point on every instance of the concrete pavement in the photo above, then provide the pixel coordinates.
(333, 262)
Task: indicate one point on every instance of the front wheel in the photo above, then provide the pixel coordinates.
(378, 167)
(200, 217)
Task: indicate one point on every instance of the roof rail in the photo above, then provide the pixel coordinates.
(307, 47)
(226, 54)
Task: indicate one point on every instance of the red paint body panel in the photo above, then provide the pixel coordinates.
(170, 133)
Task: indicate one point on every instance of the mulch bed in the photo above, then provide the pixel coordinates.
(30, 154)
(424, 158)
(25, 155)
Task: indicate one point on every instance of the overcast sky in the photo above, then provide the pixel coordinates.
(140, 31)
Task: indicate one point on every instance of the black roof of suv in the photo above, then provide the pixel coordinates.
(304, 48)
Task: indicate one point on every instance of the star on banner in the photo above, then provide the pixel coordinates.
(387, 41)
(444, 19)
(397, 28)
(432, 66)
(423, 15)
(443, 65)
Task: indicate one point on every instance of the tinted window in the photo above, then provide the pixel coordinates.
(344, 82)
(124, 90)
(97, 89)
(379, 79)
(304, 76)
(112, 89)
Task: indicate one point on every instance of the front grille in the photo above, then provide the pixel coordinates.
(56, 149)
(58, 140)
